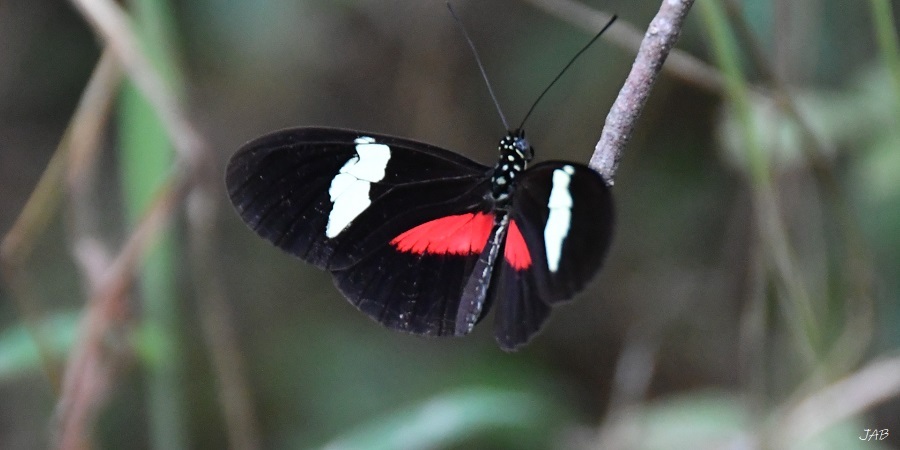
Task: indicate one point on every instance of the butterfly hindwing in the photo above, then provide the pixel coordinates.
(519, 312)
(562, 225)
(332, 196)
(431, 279)
(565, 213)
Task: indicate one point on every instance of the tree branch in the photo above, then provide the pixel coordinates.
(661, 36)
(877, 382)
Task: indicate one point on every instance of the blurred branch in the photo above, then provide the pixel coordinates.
(886, 34)
(661, 36)
(88, 373)
(112, 24)
(873, 384)
(634, 367)
(90, 368)
(679, 64)
(216, 319)
(856, 266)
(87, 121)
(781, 92)
(796, 302)
(91, 255)
(753, 331)
(192, 169)
(145, 156)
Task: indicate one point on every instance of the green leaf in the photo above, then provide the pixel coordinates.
(451, 418)
(19, 354)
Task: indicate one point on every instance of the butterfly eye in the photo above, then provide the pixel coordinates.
(523, 146)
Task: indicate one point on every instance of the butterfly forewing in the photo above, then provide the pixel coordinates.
(332, 196)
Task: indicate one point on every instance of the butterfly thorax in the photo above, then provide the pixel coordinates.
(515, 153)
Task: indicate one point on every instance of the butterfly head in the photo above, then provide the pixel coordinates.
(515, 143)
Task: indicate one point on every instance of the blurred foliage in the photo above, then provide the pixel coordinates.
(457, 417)
(679, 343)
(19, 355)
(146, 156)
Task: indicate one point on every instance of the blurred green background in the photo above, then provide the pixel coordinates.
(706, 327)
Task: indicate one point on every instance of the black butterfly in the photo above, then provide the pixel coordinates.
(422, 239)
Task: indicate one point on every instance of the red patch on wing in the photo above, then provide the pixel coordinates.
(454, 235)
(516, 252)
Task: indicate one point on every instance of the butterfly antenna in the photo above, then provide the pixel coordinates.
(480, 65)
(561, 72)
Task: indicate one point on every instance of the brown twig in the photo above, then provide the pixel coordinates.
(88, 374)
(661, 36)
(113, 26)
(84, 153)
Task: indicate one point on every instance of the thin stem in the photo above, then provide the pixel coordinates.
(856, 264)
(886, 34)
(659, 40)
(797, 305)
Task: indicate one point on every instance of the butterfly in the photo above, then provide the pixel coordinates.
(425, 240)
(422, 239)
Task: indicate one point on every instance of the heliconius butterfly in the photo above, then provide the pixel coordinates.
(422, 239)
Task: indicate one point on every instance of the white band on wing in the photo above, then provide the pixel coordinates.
(349, 190)
(560, 218)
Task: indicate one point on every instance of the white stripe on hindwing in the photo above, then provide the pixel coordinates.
(560, 219)
(349, 190)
